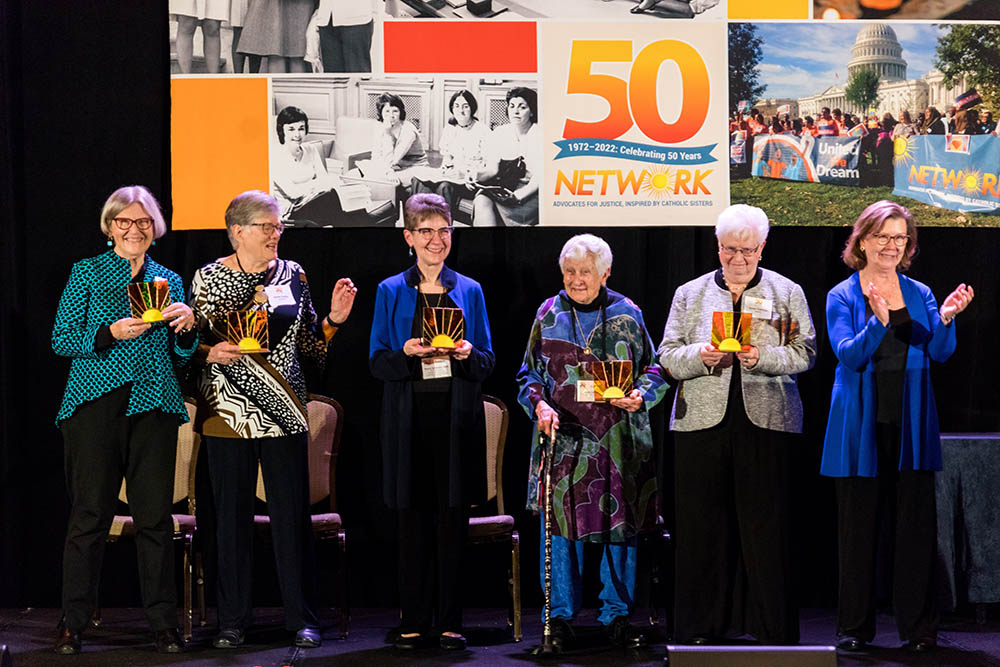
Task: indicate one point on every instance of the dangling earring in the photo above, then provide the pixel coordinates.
(411, 251)
(153, 243)
(111, 244)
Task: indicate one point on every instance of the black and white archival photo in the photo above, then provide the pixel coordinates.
(346, 151)
(535, 9)
(277, 36)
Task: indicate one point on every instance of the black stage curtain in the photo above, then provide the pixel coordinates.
(86, 109)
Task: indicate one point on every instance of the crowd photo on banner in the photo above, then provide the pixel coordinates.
(899, 102)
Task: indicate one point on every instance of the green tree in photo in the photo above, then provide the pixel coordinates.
(972, 51)
(862, 90)
(744, 64)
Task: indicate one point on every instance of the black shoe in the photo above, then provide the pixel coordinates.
(409, 643)
(229, 638)
(67, 641)
(620, 633)
(921, 645)
(562, 633)
(851, 643)
(169, 641)
(643, 6)
(452, 642)
(308, 638)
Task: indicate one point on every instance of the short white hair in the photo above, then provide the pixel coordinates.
(125, 196)
(741, 220)
(582, 245)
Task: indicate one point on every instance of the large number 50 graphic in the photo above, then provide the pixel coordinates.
(635, 101)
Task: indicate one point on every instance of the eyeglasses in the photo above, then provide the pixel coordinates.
(269, 227)
(730, 251)
(427, 233)
(125, 224)
(899, 240)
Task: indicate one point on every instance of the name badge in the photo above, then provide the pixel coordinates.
(279, 295)
(433, 368)
(758, 307)
(585, 391)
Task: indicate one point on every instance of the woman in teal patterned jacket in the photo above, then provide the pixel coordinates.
(120, 413)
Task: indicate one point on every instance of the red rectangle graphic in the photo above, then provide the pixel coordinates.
(419, 47)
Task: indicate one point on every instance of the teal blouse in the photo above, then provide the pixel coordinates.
(96, 296)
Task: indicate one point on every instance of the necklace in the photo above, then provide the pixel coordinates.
(586, 350)
(259, 294)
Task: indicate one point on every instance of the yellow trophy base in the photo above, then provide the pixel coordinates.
(249, 344)
(442, 340)
(613, 392)
(152, 315)
(730, 345)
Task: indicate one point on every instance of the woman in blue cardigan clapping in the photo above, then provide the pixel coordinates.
(432, 424)
(120, 413)
(882, 443)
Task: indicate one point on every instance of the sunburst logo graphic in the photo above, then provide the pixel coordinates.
(902, 151)
(659, 183)
(970, 182)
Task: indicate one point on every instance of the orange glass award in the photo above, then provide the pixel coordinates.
(148, 299)
(248, 329)
(730, 334)
(612, 379)
(443, 327)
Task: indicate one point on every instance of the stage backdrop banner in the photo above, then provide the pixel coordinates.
(831, 160)
(958, 172)
(635, 123)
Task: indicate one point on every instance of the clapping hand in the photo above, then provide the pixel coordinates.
(342, 300)
(878, 303)
(956, 302)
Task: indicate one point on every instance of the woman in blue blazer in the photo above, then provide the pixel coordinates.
(119, 415)
(882, 443)
(432, 424)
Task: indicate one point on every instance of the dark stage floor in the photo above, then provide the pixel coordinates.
(123, 640)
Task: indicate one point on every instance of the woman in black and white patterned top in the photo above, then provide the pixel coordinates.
(253, 408)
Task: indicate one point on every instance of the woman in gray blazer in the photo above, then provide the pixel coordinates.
(733, 419)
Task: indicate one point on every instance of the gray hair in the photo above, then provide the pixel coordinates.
(124, 197)
(247, 207)
(742, 220)
(582, 245)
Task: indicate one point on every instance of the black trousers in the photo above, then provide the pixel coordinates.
(347, 48)
(733, 562)
(102, 445)
(431, 534)
(284, 463)
(901, 503)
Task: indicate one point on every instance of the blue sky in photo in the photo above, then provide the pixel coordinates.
(802, 59)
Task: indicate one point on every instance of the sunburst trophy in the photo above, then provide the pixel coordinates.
(729, 334)
(148, 299)
(443, 327)
(248, 329)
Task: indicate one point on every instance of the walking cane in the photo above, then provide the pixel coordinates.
(547, 648)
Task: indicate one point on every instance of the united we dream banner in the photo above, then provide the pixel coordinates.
(958, 172)
(831, 160)
(635, 123)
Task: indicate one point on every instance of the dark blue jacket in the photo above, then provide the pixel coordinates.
(849, 449)
(395, 305)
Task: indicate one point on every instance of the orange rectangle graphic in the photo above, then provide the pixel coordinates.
(218, 146)
(424, 46)
(769, 9)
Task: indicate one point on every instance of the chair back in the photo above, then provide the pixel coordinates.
(326, 422)
(188, 442)
(496, 437)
